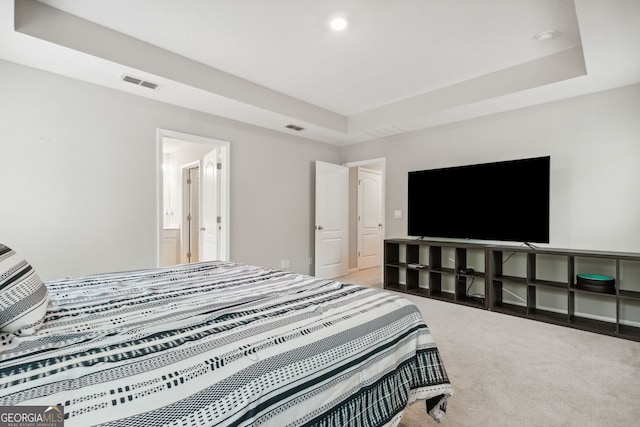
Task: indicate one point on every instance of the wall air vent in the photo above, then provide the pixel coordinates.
(139, 82)
(294, 127)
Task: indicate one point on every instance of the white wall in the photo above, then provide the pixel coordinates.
(594, 143)
(78, 178)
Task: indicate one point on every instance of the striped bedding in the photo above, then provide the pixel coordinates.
(224, 344)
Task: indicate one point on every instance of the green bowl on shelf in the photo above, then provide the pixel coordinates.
(596, 283)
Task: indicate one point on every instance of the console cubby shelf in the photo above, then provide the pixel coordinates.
(534, 283)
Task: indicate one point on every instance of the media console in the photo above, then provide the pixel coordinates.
(535, 283)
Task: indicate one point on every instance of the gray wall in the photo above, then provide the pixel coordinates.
(78, 178)
(594, 143)
(78, 173)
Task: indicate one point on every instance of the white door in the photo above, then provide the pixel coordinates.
(369, 218)
(210, 207)
(332, 220)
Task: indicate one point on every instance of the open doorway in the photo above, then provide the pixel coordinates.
(343, 244)
(366, 213)
(193, 193)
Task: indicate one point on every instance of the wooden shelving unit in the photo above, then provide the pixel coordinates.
(437, 271)
(538, 284)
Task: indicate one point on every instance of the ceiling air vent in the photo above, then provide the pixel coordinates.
(139, 82)
(149, 85)
(386, 132)
(294, 127)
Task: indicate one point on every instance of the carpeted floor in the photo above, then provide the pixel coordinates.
(508, 371)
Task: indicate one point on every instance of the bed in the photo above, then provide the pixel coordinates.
(217, 343)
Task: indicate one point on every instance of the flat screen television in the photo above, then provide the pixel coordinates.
(505, 201)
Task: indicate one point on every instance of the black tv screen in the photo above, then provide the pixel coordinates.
(506, 201)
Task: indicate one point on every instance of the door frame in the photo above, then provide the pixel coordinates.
(225, 187)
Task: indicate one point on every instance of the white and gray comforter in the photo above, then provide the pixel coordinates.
(226, 344)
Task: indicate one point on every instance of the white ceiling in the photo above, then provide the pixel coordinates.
(400, 66)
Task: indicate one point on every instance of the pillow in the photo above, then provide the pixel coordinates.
(23, 297)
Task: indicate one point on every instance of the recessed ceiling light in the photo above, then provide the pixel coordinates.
(546, 36)
(338, 24)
